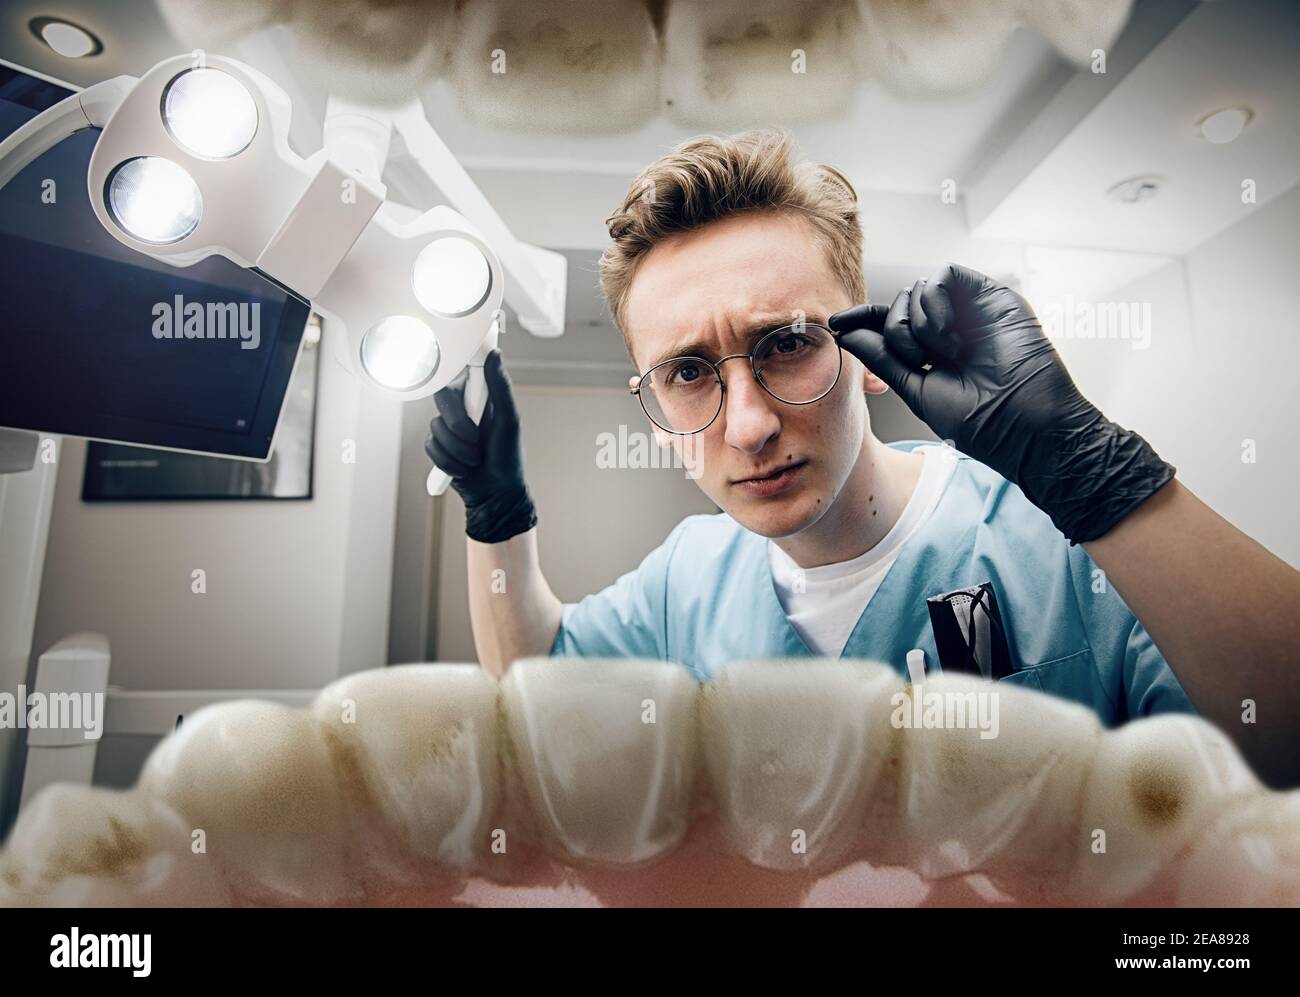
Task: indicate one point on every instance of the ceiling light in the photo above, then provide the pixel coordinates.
(67, 39)
(1222, 127)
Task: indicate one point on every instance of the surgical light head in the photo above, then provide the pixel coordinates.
(195, 161)
(154, 199)
(209, 113)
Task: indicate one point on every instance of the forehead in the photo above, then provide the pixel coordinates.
(714, 280)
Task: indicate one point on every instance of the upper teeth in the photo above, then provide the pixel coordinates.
(605, 752)
(804, 763)
(418, 744)
(793, 752)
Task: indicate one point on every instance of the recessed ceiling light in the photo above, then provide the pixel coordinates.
(67, 39)
(1135, 190)
(1223, 126)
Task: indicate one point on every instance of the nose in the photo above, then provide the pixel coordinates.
(751, 418)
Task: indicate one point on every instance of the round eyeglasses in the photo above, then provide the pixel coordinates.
(797, 364)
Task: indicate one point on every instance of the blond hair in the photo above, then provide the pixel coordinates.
(708, 178)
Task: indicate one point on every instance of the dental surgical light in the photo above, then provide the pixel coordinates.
(154, 200)
(451, 277)
(210, 113)
(400, 352)
(193, 160)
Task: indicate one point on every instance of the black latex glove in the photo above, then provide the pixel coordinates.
(485, 460)
(998, 390)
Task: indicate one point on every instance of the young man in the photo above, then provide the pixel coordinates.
(735, 276)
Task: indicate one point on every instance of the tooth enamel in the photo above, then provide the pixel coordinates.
(83, 846)
(1001, 804)
(1156, 783)
(574, 66)
(422, 741)
(603, 782)
(374, 53)
(932, 48)
(792, 752)
(1076, 28)
(1249, 857)
(215, 24)
(732, 65)
(786, 746)
(257, 778)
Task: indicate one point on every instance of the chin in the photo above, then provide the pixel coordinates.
(776, 518)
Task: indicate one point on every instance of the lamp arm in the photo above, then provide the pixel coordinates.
(89, 108)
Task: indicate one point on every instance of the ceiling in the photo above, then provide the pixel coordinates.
(1031, 153)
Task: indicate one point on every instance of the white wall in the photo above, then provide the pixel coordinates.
(297, 591)
(1222, 368)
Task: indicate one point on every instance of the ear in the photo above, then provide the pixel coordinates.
(871, 384)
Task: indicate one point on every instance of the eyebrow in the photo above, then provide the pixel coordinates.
(699, 348)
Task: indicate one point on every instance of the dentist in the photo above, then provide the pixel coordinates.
(735, 278)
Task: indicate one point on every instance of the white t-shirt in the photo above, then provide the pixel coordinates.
(825, 605)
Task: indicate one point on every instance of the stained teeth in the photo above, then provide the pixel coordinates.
(994, 786)
(422, 742)
(258, 780)
(793, 752)
(82, 846)
(1156, 783)
(730, 65)
(605, 753)
(573, 66)
(933, 47)
(380, 53)
(809, 765)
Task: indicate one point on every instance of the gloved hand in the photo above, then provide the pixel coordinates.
(998, 390)
(485, 460)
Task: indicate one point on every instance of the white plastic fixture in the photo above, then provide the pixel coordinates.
(1224, 126)
(69, 40)
(195, 161)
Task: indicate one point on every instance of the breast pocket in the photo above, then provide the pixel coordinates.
(1073, 677)
(1027, 677)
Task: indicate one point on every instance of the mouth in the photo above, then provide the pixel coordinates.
(777, 480)
(775, 782)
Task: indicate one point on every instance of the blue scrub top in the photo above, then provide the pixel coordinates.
(705, 597)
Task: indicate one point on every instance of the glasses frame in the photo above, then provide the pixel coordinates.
(715, 366)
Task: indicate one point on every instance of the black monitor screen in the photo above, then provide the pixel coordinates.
(100, 341)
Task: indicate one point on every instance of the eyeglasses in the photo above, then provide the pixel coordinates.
(797, 364)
